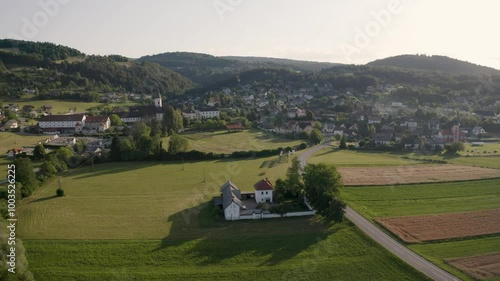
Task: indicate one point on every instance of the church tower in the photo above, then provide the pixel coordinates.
(158, 102)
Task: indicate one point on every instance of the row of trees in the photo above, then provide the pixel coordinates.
(319, 183)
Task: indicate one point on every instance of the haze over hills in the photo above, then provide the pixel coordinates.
(435, 63)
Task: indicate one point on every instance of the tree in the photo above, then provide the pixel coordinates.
(115, 153)
(293, 178)
(65, 153)
(60, 192)
(177, 144)
(316, 136)
(172, 121)
(115, 120)
(39, 152)
(26, 176)
(322, 186)
(337, 137)
(455, 147)
(342, 145)
(140, 128)
(317, 125)
(372, 130)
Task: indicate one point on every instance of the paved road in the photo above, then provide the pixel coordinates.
(385, 240)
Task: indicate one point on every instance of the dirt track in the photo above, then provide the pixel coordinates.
(479, 267)
(415, 229)
(413, 174)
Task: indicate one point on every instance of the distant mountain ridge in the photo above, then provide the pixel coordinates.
(435, 63)
(297, 64)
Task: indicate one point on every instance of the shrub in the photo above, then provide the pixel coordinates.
(60, 192)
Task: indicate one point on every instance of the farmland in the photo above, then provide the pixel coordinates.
(479, 267)
(224, 142)
(357, 158)
(414, 174)
(423, 199)
(428, 199)
(416, 229)
(154, 221)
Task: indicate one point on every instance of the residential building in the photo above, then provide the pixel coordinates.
(263, 191)
(64, 124)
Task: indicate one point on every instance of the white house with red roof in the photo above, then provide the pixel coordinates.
(263, 191)
(241, 205)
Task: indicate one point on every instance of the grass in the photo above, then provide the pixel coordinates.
(358, 158)
(135, 200)
(224, 142)
(59, 106)
(421, 199)
(155, 221)
(10, 140)
(338, 253)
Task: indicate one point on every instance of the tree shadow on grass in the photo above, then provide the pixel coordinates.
(204, 236)
(43, 199)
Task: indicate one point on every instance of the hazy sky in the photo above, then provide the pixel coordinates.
(324, 30)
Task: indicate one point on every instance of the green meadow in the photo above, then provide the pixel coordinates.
(228, 142)
(155, 221)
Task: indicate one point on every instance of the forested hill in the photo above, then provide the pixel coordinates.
(42, 50)
(201, 68)
(207, 69)
(301, 65)
(62, 72)
(435, 63)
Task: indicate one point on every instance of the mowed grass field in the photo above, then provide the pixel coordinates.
(424, 199)
(228, 142)
(134, 200)
(59, 106)
(337, 253)
(358, 158)
(155, 221)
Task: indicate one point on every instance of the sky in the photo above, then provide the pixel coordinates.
(342, 31)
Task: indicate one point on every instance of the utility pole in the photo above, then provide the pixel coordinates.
(183, 163)
(59, 180)
(203, 174)
(93, 170)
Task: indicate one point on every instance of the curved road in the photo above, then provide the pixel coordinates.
(385, 240)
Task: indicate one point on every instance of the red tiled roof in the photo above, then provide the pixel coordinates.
(96, 119)
(234, 127)
(263, 185)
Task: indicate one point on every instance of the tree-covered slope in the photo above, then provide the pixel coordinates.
(435, 63)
